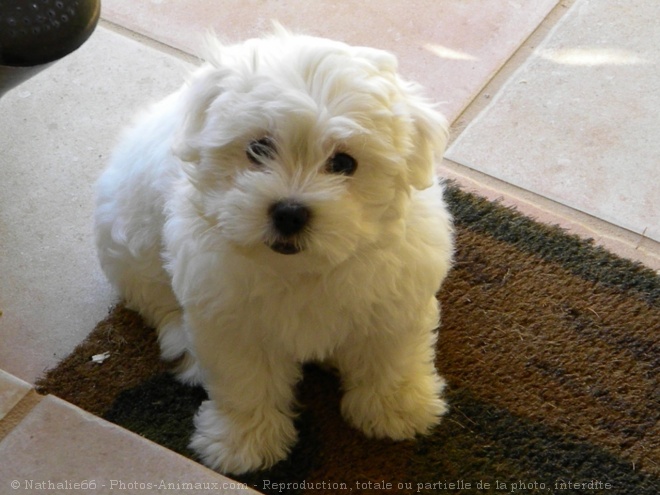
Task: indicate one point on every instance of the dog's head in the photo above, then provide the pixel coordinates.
(306, 147)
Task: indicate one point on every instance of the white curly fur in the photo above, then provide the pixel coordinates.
(185, 234)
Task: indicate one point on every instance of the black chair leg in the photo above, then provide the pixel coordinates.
(36, 33)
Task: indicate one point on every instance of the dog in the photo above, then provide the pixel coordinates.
(281, 208)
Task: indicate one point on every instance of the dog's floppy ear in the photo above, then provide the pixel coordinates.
(200, 92)
(431, 132)
(431, 129)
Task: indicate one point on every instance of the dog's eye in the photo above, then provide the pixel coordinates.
(342, 163)
(261, 149)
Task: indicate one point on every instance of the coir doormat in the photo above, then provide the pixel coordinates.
(551, 350)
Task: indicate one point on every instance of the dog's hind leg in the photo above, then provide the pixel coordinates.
(145, 287)
(156, 302)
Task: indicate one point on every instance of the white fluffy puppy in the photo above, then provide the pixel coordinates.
(281, 207)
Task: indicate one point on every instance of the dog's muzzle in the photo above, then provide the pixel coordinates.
(289, 219)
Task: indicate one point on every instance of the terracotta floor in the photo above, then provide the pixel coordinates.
(554, 105)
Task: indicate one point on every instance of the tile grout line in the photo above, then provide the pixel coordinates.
(19, 412)
(521, 54)
(150, 42)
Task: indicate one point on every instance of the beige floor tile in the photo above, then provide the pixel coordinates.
(12, 390)
(452, 47)
(578, 122)
(58, 445)
(56, 132)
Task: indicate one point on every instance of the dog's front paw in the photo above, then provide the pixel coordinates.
(399, 415)
(236, 444)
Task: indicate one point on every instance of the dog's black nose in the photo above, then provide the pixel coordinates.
(289, 217)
